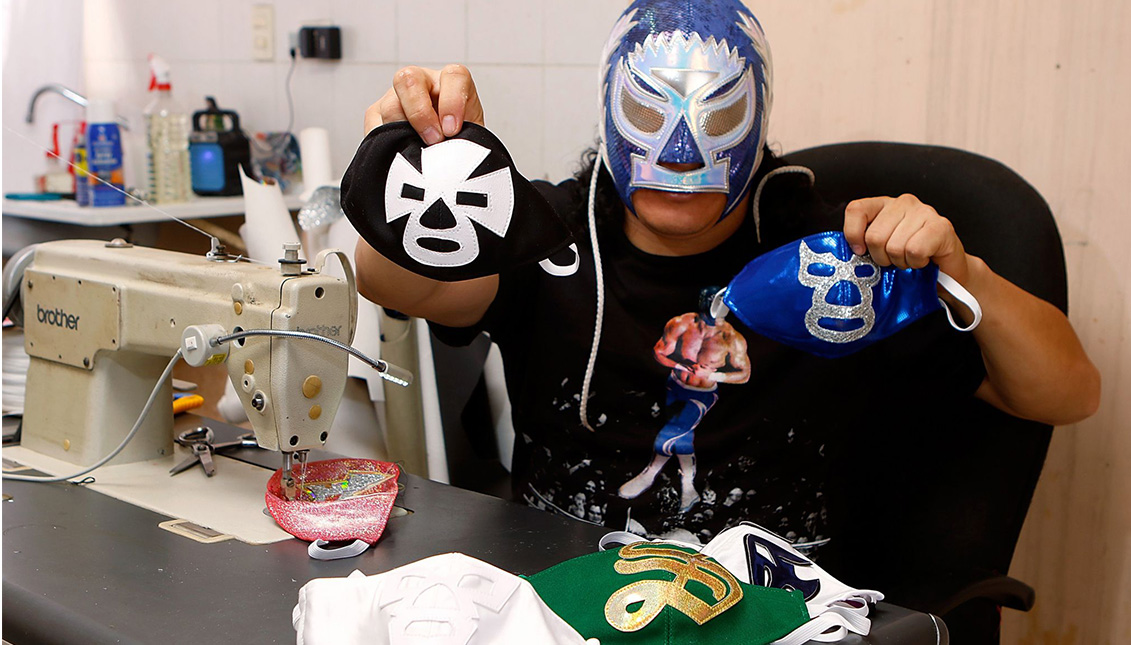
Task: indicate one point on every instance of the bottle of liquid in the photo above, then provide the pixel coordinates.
(80, 167)
(167, 129)
(104, 154)
(57, 178)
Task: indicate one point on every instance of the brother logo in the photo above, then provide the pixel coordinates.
(56, 317)
(323, 330)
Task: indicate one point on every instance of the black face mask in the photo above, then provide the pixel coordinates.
(451, 211)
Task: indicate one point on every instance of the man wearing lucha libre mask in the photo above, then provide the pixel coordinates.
(679, 194)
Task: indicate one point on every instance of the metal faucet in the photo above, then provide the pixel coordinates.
(68, 94)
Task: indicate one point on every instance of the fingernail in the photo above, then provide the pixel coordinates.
(449, 126)
(858, 249)
(431, 136)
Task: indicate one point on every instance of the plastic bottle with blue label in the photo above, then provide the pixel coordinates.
(104, 155)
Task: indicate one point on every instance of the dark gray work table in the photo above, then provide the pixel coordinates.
(83, 567)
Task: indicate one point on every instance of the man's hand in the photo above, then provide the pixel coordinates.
(435, 102)
(905, 232)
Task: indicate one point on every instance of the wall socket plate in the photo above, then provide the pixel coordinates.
(263, 32)
(320, 42)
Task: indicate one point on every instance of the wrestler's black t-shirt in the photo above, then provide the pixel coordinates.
(761, 452)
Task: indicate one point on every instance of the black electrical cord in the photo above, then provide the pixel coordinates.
(278, 143)
(287, 85)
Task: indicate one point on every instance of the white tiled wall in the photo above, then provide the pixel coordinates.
(534, 62)
(41, 43)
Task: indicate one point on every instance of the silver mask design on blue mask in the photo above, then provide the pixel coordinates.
(841, 272)
(672, 79)
(685, 84)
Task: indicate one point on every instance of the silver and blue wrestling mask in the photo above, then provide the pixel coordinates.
(685, 82)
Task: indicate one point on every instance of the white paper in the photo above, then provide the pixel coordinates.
(314, 146)
(268, 221)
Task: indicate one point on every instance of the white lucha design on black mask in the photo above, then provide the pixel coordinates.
(822, 284)
(444, 190)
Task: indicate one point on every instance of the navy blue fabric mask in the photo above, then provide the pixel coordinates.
(816, 295)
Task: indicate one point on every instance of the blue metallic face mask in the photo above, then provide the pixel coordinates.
(816, 295)
(685, 82)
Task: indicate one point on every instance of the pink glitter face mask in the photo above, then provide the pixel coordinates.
(338, 500)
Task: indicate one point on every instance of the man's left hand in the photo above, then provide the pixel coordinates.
(904, 232)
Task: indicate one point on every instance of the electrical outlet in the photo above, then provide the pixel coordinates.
(320, 42)
(263, 32)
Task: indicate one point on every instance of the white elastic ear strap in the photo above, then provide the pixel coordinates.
(965, 297)
(825, 628)
(719, 309)
(318, 551)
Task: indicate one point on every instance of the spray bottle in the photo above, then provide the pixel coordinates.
(167, 130)
(57, 178)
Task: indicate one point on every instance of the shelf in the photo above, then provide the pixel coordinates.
(69, 212)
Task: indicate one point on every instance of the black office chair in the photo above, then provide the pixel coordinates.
(941, 504)
(932, 524)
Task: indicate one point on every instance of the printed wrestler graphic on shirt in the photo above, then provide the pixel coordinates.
(702, 352)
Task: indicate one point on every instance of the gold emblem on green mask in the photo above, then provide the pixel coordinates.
(653, 595)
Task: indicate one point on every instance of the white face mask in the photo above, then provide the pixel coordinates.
(449, 599)
(761, 557)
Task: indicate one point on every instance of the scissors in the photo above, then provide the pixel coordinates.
(200, 440)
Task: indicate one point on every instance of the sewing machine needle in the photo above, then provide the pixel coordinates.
(301, 455)
(288, 477)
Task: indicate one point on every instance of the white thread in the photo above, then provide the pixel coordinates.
(600, 278)
(762, 184)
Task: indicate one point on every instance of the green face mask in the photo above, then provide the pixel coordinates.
(653, 592)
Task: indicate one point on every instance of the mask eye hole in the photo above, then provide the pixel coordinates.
(820, 269)
(716, 123)
(841, 325)
(646, 119)
(479, 200)
(476, 582)
(865, 271)
(408, 191)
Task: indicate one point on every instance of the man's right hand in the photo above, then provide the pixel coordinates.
(435, 102)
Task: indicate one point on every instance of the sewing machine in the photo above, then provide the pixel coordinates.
(102, 319)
